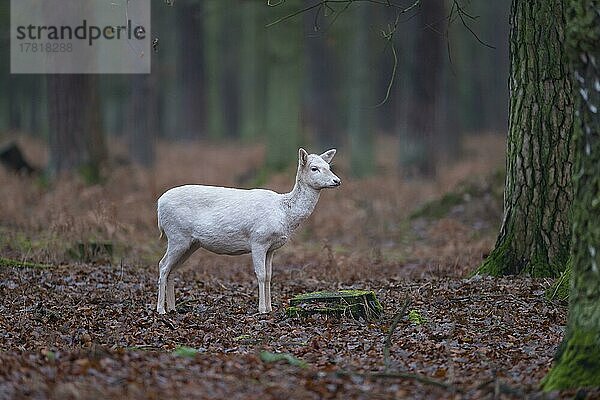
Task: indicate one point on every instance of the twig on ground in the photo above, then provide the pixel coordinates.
(388, 341)
(168, 323)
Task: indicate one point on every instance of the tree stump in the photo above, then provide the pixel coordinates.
(344, 303)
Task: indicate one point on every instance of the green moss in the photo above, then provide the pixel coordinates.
(353, 311)
(583, 32)
(90, 174)
(10, 263)
(91, 251)
(344, 303)
(438, 208)
(349, 295)
(466, 191)
(503, 261)
(578, 364)
(562, 285)
(184, 351)
(495, 264)
(268, 357)
(416, 318)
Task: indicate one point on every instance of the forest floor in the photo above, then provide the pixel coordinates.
(77, 327)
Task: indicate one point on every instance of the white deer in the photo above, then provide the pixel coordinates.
(238, 221)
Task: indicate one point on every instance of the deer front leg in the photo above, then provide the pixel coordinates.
(259, 254)
(268, 280)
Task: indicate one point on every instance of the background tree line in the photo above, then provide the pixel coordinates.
(317, 80)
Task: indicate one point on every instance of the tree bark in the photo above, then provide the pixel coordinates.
(578, 357)
(75, 131)
(535, 235)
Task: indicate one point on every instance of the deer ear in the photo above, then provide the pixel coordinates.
(302, 157)
(328, 155)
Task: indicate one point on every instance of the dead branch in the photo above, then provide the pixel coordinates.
(388, 341)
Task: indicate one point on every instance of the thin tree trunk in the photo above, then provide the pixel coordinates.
(251, 90)
(578, 357)
(535, 235)
(418, 153)
(404, 98)
(142, 120)
(14, 103)
(360, 99)
(230, 64)
(214, 47)
(96, 144)
(447, 108)
(284, 55)
(319, 99)
(498, 15)
(192, 70)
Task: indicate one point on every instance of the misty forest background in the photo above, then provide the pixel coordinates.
(320, 80)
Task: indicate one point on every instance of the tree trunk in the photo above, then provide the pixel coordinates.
(404, 98)
(418, 155)
(142, 122)
(578, 357)
(284, 55)
(14, 103)
(95, 141)
(191, 65)
(231, 64)
(497, 96)
(321, 112)
(75, 130)
(360, 99)
(535, 235)
(251, 87)
(214, 48)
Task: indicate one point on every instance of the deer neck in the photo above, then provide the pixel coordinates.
(300, 203)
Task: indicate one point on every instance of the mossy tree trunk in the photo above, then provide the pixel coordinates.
(535, 235)
(578, 358)
(284, 57)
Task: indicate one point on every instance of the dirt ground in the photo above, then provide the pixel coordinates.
(87, 328)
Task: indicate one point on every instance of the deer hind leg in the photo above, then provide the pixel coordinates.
(269, 271)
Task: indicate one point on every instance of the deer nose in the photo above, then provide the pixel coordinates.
(337, 181)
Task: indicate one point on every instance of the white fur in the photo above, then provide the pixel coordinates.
(238, 221)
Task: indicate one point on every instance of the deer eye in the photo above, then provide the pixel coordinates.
(314, 169)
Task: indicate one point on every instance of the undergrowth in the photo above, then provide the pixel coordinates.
(362, 225)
